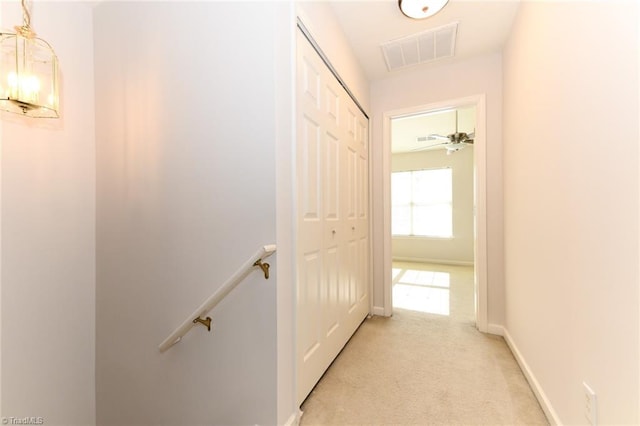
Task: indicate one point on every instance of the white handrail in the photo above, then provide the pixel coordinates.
(217, 296)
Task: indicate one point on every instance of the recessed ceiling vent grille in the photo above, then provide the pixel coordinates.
(420, 48)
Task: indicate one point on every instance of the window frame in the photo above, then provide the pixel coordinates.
(412, 205)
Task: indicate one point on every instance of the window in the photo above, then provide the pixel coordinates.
(421, 203)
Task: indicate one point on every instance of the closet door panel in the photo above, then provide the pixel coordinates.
(331, 176)
(309, 301)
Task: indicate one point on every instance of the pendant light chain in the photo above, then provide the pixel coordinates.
(25, 30)
(26, 16)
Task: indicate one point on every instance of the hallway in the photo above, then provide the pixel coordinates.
(425, 365)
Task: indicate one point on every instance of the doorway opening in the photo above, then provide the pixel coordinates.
(435, 208)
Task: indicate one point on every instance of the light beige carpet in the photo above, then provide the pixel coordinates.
(422, 369)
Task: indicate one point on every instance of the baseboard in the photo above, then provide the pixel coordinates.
(552, 416)
(437, 261)
(496, 329)
(377, 310)
(294, 419)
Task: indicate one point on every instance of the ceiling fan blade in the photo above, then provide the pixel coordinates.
(428, 147)
(437, 137)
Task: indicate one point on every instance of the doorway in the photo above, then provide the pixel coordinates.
(432, 211)
(477, 235)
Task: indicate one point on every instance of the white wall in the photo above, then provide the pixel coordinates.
(482, 75)
(186, 144)
(571, 204)
(48, 234)
(459, 248)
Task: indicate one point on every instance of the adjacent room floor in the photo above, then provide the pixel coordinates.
(427, 364)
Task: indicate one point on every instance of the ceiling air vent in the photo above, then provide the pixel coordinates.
(420, 48)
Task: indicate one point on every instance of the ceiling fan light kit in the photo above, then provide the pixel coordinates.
(421, 9)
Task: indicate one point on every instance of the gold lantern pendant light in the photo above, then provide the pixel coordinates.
(28, 72)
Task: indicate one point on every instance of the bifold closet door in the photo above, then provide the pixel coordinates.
(332, 217)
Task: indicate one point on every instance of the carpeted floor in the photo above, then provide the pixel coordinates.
(417, 368)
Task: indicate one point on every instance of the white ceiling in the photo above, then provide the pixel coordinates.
(483, 28)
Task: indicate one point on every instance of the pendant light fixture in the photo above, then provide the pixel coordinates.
(28, 72)
(420, 9)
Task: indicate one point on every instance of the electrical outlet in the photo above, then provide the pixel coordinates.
(590, 404)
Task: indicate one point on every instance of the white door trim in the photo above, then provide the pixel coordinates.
(480, 201)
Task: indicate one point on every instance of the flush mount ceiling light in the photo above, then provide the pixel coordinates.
(28, 72)
(420, 9)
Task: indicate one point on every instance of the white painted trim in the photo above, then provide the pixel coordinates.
(638, 21)
(480, 193)
(294, 419)
(436, 261)
(372, 309)
(379, 311)
(387, 293)
(495, 329)
(480, 202)
(285, 127)
(539, 393)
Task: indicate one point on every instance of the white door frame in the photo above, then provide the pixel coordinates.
(480, 201)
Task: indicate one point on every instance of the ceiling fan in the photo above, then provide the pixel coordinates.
(454, 141)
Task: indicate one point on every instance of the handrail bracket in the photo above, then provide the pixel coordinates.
(206, 322)
(264, 266)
